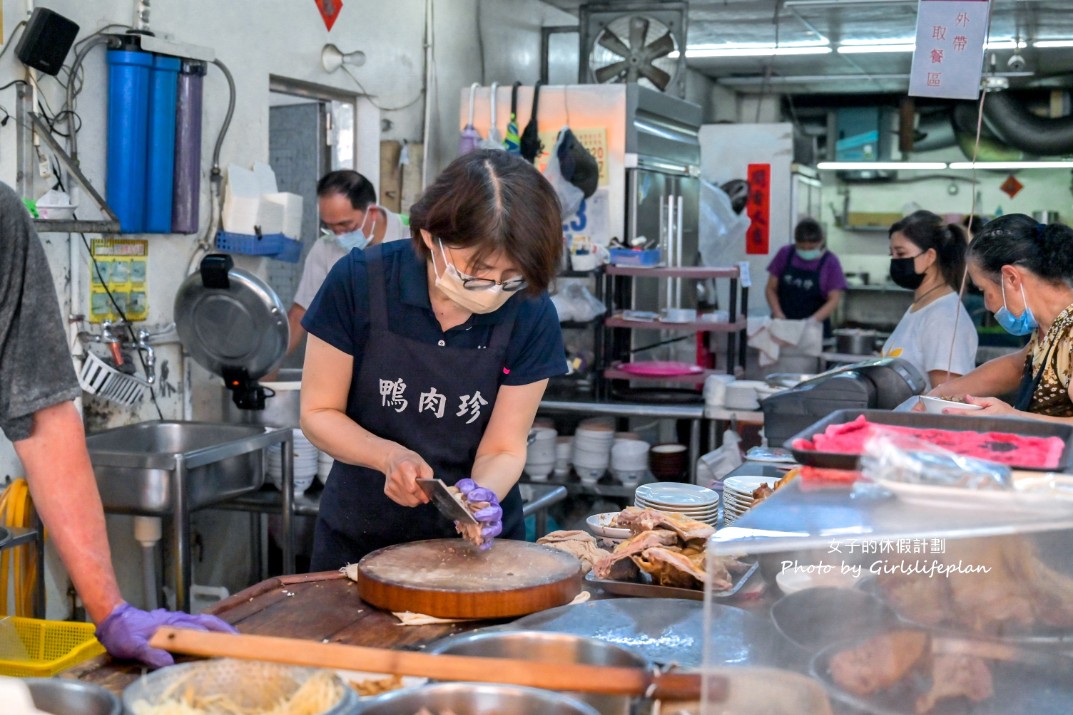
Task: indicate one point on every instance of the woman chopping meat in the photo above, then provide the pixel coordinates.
(1024, 270)
(429, 358)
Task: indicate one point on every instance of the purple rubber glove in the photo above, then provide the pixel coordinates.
(490, 517)
(125, 633)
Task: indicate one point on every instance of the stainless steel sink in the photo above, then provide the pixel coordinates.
(135, 465)
(172, 468)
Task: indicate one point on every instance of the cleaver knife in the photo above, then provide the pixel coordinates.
(449, 504)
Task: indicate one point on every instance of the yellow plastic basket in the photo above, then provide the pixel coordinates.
(44, 648)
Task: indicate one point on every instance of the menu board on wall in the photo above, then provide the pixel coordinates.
(119, 267)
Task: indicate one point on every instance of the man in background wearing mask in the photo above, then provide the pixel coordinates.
(350, 218)
(805, 280)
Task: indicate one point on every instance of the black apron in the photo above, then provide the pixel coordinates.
(412, 393)
(1030, 382)
(799, 291)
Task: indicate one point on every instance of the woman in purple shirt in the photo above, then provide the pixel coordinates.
(806, 280)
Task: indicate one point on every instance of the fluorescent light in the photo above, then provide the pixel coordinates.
(879, 165)
(1052, 43)
(872, 49)
(701, 51)
(1006, 45)
(1012, 165)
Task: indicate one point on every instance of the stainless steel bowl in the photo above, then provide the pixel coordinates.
(476, 699)
(72, 697)
(855, 341)
(817, 617)
(552, 647)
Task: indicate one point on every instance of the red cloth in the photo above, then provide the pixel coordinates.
(1002, 447)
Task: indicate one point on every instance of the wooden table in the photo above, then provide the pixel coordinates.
(319, 606)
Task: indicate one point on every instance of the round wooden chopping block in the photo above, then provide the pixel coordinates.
(451, 578)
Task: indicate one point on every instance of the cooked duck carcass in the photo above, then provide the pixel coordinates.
(996, 601)
(580, 544)
(954, 676)
(1051, 592)
(670, 567)
(879, 662)
(637, 520)
(617, 565)
(918, 598)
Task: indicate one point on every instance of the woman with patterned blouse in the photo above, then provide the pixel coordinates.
(1025, 271)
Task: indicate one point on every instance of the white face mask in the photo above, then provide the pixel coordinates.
(353, 239)
(451, 284)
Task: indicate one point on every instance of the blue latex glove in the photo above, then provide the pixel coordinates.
(490, 517)
(125, 633)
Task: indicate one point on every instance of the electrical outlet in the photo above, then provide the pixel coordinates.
(44, 169)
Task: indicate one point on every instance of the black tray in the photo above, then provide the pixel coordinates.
(927, 420)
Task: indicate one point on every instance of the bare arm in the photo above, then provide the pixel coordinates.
(501, 453)
(294, 320)
(833, 299)
(995, 377)
(325, 386)
(65, 494)
(771, 292)
(939, 377)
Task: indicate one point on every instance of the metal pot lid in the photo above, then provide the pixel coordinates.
(228, 318)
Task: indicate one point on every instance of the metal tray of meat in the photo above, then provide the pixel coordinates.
(643, 589)
(926, 420)
(1023, 681)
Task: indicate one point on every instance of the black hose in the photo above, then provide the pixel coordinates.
(79, 56)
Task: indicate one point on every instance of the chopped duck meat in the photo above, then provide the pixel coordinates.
(637, 520)
(609, 566)
(879, 662)
(470, 532)
(580, 544)
(954, 676)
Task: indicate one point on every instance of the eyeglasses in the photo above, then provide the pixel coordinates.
(474, 283)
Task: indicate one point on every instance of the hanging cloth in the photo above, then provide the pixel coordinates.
(494, 140)
(470, 136)
(530, 142)
(512, 142)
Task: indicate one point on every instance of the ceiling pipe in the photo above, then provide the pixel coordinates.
(1014, 124)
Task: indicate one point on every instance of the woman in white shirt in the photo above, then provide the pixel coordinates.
(936, 333)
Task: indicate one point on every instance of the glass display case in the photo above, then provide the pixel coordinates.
(909, 602)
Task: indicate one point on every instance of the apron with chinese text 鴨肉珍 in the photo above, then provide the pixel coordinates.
(435, 400)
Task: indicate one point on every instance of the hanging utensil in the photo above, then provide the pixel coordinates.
(577, 677)
(512, 142)
(470, 136)
(530, 141)
(494, 140)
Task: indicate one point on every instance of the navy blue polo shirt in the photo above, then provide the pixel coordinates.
(339, 315)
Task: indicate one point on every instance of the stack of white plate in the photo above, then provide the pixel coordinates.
(696, 502)
(305, 464)
(738, 495)
(324, 466)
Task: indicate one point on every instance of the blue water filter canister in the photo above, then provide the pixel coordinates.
(160, 149)
(187, 189)
(128, 124)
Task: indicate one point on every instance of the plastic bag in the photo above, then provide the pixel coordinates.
(715, 465)
(574, 301)
(722, 231)
(570, 196)
(899, 458)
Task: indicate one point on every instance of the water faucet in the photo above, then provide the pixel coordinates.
(142, 345)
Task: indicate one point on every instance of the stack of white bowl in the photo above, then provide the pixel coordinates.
(305, 463)
(715, 389)
(592, 449)
(540, 457)
(564, 447)
(629, 461)
(696, 502)
(324, 466)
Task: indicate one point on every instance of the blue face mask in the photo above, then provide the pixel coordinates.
(1022, 324)
(810, 254)
(352, 239)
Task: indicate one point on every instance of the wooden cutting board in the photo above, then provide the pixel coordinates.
(450, 578)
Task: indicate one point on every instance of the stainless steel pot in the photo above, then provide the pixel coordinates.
(854, 341)
(476, 698)
(68, 697)
(538, 645)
